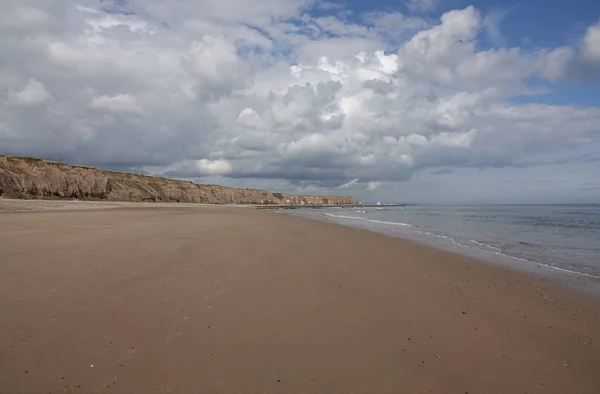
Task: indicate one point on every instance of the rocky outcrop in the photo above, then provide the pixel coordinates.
(32, 178)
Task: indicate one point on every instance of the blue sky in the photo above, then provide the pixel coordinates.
(438, 101)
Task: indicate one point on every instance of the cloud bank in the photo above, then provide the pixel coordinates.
(274, 91)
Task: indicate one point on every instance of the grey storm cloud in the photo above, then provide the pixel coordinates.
(266, 90)
(443, 171)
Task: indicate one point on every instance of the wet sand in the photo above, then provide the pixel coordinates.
(218, 300)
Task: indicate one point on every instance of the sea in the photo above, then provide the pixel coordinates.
(559, 240)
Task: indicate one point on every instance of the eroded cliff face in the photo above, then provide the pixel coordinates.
(31, 178)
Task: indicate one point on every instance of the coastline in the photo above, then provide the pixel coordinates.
(581, 281)
(215, 299)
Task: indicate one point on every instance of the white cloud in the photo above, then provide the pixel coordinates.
(350, 184)
(264, 92)
(249, 118)
(356, 185)
(591, 44)
(33, 94)
(435, 53)
(372, 186)
(119, 104)
(553, 65)
(214, 167)
(581, 63)
(463, 140)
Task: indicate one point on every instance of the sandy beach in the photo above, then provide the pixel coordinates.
(226, 300)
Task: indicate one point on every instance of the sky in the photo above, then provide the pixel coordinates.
(418, 101)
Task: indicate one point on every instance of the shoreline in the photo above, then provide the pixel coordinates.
(578, 280)
(220, 300)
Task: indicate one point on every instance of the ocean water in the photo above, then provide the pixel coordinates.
(550, 238)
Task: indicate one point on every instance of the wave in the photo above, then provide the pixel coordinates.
(468, 244)
(584, 224)
(369, 220)
(497, 251)
(481, 216)
(550, 266)
(451, 239)
(484, 245)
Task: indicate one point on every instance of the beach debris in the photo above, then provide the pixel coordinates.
(92, 366)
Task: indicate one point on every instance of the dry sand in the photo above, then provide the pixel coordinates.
(13, 205)
(197, 300)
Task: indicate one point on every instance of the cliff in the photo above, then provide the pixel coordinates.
(32, 178)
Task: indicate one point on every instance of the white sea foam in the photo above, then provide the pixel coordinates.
(498, 251)
(369, 220)
(579, 273)
(484, 245)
